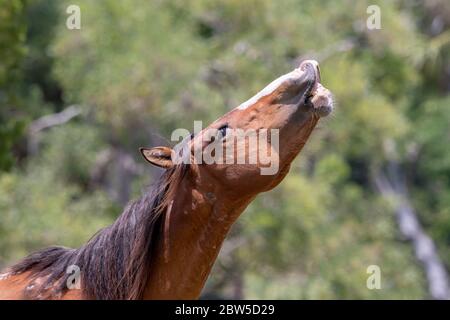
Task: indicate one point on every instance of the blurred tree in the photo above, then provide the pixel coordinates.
(12, 40)
(140, 69)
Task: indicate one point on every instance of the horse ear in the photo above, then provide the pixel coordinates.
(158, 156)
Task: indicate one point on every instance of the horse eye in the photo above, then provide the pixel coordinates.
(223, 130)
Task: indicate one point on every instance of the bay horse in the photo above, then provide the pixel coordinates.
(164, 244)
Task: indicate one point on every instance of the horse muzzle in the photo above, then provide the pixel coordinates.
(318, 97)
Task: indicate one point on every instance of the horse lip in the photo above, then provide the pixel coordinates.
(311, 67)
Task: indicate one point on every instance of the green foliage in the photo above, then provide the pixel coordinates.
(323, 240)
(75, 147)
(432, 138)
(34, 202)
(12, 32)
(9, 133)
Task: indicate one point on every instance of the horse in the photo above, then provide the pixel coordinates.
(164, 244)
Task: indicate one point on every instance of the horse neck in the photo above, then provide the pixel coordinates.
(194, 228)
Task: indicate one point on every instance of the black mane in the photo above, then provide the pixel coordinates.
(113, 263)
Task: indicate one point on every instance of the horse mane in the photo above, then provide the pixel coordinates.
(114, 263)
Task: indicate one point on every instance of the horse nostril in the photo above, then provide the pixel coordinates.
(308, 105)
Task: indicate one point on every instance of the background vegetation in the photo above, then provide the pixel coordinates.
(138, 69)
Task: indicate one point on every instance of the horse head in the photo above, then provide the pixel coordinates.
(249, 150)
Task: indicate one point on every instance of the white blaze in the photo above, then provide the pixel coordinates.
(270, 88)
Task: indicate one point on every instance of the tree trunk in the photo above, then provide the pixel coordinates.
(392, 185)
